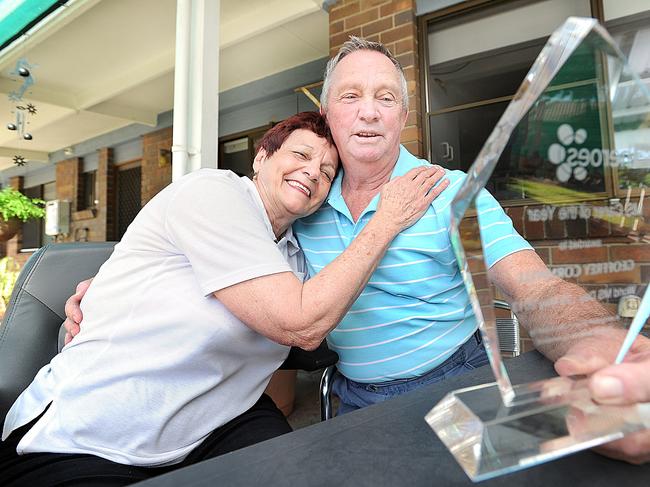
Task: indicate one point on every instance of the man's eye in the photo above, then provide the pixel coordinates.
(349, 96)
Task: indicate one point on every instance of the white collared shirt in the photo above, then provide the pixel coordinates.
(160, 362)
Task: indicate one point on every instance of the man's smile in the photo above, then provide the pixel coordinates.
(368, 135)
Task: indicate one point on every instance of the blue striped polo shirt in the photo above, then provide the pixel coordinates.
(414, 312)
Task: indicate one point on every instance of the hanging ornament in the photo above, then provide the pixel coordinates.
(22, 70)
(19, 161)
(22, 112)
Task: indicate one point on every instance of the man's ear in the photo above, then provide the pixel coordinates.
(321, 110)
(259, 158)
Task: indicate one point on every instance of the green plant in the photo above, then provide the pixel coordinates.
(9, 271)
(14, 204)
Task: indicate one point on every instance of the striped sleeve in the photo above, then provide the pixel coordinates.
(498, 235)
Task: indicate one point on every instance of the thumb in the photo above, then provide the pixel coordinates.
(580, 361)
(626, 383)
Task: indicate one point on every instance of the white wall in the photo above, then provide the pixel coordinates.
(621, 8)
(503, 29)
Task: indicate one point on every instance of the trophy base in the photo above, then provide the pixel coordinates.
(544, 421)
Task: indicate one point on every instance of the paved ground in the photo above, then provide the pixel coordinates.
(307, 406)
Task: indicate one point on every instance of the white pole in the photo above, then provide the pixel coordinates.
(204, 84)
(181, 87)
(196, 86)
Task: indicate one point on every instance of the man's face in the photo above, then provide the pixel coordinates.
(364, 109)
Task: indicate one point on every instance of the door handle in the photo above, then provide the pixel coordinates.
(448, 151)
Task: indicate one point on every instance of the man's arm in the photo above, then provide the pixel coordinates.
(556, 314)
(581, 337)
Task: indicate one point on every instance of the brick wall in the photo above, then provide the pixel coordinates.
(618, 264)
(615, 262)
(92, 224)
(393, 24)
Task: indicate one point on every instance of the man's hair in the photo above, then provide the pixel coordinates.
(273, 139)
(358, 44)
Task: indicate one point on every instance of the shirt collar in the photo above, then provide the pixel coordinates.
(335, 197)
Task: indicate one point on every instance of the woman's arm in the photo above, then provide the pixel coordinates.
(290, 312)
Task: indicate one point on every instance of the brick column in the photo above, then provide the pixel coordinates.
(67, 186)
(155, 174)
(105, 195)
(67, 180)
(393, 24)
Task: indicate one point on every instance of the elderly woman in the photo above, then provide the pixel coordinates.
(193, 312)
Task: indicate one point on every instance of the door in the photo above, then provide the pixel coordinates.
(129, 199)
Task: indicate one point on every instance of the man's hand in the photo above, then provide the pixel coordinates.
(627, 383)
(73, 315)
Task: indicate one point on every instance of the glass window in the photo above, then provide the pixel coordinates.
(87, 190)
(470, 84)
(632, 34)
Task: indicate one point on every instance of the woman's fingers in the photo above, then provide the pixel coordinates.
(406, 198)
(73, 313)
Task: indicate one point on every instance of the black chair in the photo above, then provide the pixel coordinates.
(31, 329)
(32, 333)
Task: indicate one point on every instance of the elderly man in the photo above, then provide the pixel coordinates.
(413, 324)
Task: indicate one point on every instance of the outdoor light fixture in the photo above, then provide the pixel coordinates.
(164, 157)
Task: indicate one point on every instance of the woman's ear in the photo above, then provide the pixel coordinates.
(259, 158)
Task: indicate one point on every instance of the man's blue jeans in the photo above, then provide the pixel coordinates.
(356, 395)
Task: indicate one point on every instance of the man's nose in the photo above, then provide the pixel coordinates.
(368, 110)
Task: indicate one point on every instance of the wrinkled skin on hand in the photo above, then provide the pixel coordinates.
(405, 199)
(626, 383)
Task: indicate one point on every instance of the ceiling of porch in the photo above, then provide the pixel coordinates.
(101, 65)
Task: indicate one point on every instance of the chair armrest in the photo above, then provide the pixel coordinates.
(300, 359)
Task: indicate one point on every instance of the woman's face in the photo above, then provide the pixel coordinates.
(297, 177)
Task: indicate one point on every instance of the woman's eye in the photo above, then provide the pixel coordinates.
(302, 155)
(327, 175)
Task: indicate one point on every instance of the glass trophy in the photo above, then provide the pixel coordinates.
(580, 128)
